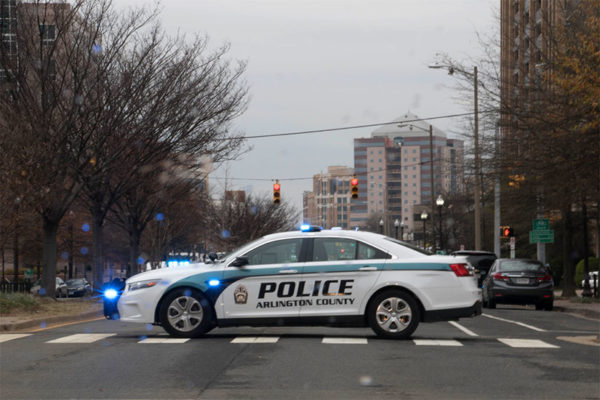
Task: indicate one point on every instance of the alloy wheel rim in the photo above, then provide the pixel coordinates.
(393, 315)
(185, 313)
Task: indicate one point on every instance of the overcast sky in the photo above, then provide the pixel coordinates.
(322, 64)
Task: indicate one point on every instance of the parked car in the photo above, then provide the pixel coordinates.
(591, 279)
(518, 281)
(59, 291)
(78, 287)
(480, 260)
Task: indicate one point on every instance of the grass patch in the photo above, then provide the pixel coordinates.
(584, 300)
(14, 302)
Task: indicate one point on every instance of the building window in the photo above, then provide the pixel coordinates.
(48, 33)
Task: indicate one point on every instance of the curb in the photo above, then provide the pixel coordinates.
(584, 312)
(37, 322)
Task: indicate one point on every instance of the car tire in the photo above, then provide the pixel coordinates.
(393, 314)
(186, 313)
(549, 306)
(539, 306)
(491, 304)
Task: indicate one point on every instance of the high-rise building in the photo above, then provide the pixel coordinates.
(394, 172)
(525, 44)
(328, 205)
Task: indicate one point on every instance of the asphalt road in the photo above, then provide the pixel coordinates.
(475, 358)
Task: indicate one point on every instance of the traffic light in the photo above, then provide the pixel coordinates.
(507, 231)
(354, 187)
(276, 192)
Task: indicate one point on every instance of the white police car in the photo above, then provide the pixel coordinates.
(329, 277)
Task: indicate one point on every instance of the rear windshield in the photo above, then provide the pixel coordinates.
(521, 265)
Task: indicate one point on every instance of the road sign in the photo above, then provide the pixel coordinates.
(28, 273)
(541, 236)
(541, 224)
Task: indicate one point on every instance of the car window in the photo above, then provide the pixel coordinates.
(366, 252)
(520, 265)
(278, 252)
(334, 249)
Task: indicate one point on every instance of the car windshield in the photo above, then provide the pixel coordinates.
(75, 282)
(520, 265)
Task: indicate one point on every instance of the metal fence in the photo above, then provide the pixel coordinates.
(15, 287)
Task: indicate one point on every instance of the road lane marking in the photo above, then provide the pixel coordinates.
(528, 343)
(255, 339)
(533, 328)
(5, 337)
(462, 328)
(339, 340)
(82, 338)
(164, 340)
(430, 342)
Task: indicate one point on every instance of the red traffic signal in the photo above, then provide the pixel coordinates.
(507, 232)
(354, 188)
(276, 192)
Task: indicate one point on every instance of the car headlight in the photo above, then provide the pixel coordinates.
(143, 284)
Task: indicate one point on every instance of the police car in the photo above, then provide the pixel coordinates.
(308, 277)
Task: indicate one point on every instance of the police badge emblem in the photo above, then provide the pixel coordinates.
(240, 295)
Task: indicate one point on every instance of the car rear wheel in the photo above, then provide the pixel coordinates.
(393, 314)
(185, 313)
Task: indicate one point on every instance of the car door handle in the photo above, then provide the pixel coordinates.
(367, 268)
(288, 271)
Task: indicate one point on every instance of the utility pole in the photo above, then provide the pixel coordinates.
(497, 194)
(432, 181)
(477, 188)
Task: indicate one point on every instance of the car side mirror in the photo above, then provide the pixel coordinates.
(240, 262)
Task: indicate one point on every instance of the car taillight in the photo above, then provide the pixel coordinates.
(499, 277)
(545, 278)
(461, 270)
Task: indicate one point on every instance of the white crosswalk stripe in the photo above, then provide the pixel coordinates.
(339, 340)
(256, 339)
(164, 340)
(5, 337)
(82, 338)
(429, 342)
(528, 343)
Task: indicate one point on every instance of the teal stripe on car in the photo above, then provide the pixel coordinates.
(417, 267)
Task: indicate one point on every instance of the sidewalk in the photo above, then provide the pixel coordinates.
(575, 306)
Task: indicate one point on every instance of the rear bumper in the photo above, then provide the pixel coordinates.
(452, 313)
(521, 295)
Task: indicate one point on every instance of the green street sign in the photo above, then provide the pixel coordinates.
(541, 224)
(541, 236)
(28, 273)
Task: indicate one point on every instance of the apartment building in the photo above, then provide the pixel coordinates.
(328, 205)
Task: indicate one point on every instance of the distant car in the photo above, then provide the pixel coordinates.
(591, 279)
(518, 281)
(481, 260)
(78, 287)
(59, 291)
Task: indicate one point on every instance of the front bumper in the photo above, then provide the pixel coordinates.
(453, 313)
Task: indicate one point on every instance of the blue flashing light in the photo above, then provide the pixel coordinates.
(214, 282)
(111, 294)
(305, 227)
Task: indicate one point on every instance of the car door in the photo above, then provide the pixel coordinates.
(338, 274)
(267, 286)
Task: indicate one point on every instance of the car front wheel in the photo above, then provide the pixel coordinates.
(185, 313)
(394, 314)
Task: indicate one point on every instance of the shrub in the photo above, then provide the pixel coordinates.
(18, 301)
(593, 266)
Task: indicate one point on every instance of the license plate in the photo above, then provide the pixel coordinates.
(522, 281)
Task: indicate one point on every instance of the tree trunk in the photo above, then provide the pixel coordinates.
(16, 255)
(50, 251)
(568, 266)
(98, 250)
(134, 251)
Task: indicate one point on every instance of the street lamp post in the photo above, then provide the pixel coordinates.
(440, 203)
(381, 226)
(396, 225)
(402, 230)
(424, 219)
(477, 183)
